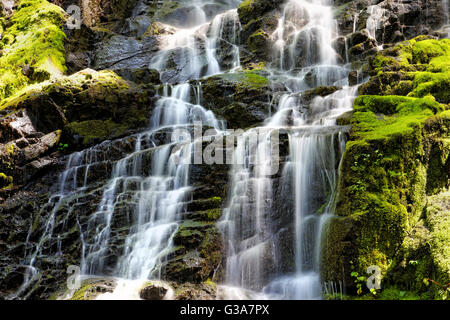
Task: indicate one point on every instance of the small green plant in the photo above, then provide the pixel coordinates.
(63, 147)
(358, 280)
(444, 289)
(359, 186)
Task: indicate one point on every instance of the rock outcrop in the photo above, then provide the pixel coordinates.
(74, 104)
(397, 158)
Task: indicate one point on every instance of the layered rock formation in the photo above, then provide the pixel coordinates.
(73, 103)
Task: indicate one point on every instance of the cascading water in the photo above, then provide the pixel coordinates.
(149, 185)
(375, 20)
(162, 195)
(446, 8)
(303, 59)
(196, 48)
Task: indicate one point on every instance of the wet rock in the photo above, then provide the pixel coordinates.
(259, 44)
(136, 26)
(254, 34)
(80, 46)
(248, 10)
(243, 99)
(193, 291)
(77, 61)
(397, 20)
(322, 91)
(159, 29)
(89, 106)
(90, 289)
(140, 76)
(121, 52)
(45, 144)
(153, 292)
(388, 83)
(345, 119)
(37, 167)
(182, 13)
(341, 237)
(340, 46)
(178, 64)
(14, 278)
(353, 78)
(190, 233)
(361, 46)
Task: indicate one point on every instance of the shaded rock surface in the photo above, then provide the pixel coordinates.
(395, 188)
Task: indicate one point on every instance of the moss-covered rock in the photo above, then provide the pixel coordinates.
(416, 68)
(5, 181)
(90, 106)
(438, 220)
(32, 46)
(396, 157)
(249, 9)
(241, 98)
(90, 289)
(259, 19)
(190, 233)
(206, 290)
(198, 244)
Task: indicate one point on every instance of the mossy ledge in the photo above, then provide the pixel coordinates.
(32, 46)
(397, 157)
(89, 106)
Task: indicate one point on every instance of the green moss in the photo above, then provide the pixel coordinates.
(191, 224)
(86, 292)
(214, 214)
(210, 247)
(96, 105)
(425, 61)
(252, 79)
(167, 8)
(438, 219)
(5, 181)
(207, 215)
(95, 131)
(210, 283)
(393, 293)
(246, 10)
(432, 84)
(205, 204)
(34, 41)
(378, 117)
(191, 233)
(258, 42)
(397, 145)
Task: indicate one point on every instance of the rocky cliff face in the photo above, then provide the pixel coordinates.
(75, 102)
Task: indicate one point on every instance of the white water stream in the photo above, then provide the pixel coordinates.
(156, 183)
(303, 51)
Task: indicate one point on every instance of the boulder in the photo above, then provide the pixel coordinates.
(153, 292)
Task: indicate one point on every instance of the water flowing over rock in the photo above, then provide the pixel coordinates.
(217, 149)
(260, 224)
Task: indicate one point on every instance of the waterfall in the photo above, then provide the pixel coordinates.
(445, 7)
(251, 224)
(165, 191)
(147, 182)
(74, 178)
(196, 47)
(375, 21)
